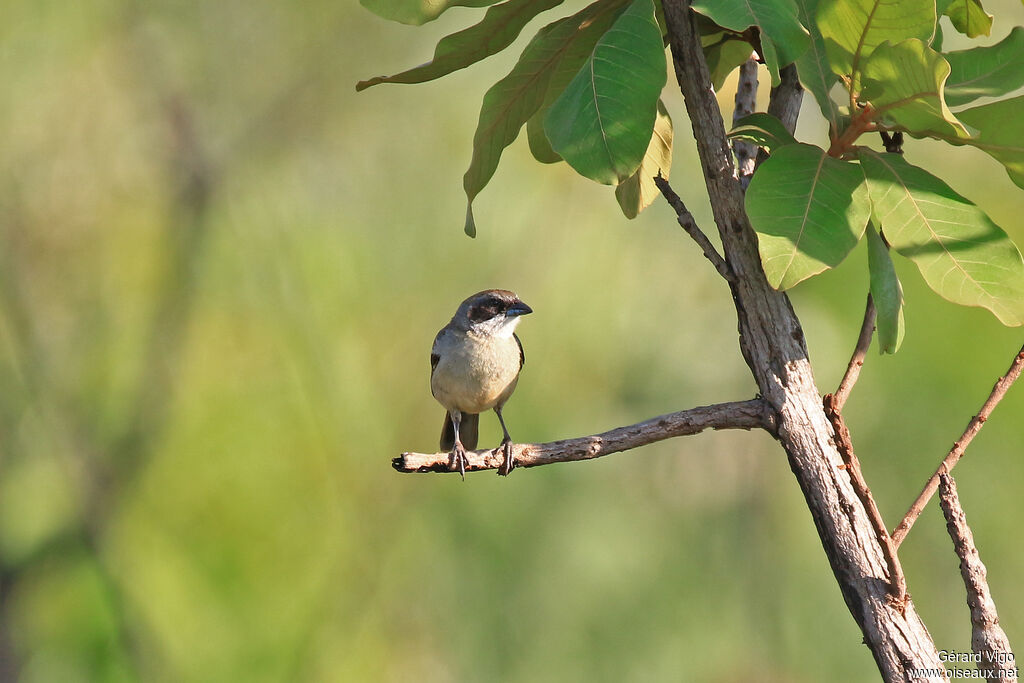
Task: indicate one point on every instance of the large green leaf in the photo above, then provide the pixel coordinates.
(813, 67)
(417, 12)
(886, 292)
(514, 99)
(961, 253)
(636, 192)
(852, 29)
(986, 71)
(500, 26)
(783, 39)
(764, 130)
(969, 17)
(1000, 128)
(904, 84)
(809, 211)
(575, 55)
(602, 122)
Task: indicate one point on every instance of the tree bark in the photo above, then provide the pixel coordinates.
(772, 343)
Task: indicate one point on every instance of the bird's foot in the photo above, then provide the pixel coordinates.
(508, 463)
(458, 460)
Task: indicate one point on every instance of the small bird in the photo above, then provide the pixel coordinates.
(474, 366)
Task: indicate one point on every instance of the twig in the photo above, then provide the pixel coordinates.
(688, 224)
(897, 581)
(755, 413)
(988, 640)
(867, 328)
(745, 103)
(973, 427)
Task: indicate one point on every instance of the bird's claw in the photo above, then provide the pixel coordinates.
(458, 460)
(508, 463)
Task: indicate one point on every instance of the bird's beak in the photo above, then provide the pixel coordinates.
(518, 308)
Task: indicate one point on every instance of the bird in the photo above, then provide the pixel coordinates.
(474, 367)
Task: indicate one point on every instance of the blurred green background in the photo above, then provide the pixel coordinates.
(221, 271)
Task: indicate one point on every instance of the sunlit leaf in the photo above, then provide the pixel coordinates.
(813, 67)
(969, 17)
(809, 211)
(417, 12)
(886, 292)
(601, 123)
(1000, 128)
(986, 71)
(852, 29)
(500, 26)
(764, 130)
(512, 100)
(783, 39)
(636, 192)
(724, 57)
(904, 84)
(961, 253)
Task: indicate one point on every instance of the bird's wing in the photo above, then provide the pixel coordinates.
(522, 356)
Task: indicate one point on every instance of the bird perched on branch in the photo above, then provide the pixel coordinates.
(474, 367)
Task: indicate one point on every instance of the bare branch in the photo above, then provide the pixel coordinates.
(867, 328)
(988, 640)
(897, 581)
(755, 413)
(950, 461)
(688, 224)
(745, 103)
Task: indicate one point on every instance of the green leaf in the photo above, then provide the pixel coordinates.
(986, 71)
(764, 130)
(962, 255)
(904, 84)
(540, 146)
(724, 57)
(500, 26)
(1000, 128)
(417, 12)
(852, 29)
(636, 192)
(970, 18)
(813, 67)
(783, 39)
(512, 100)
(576, 54)
(809, 211)
(886, 292)
(602, 122)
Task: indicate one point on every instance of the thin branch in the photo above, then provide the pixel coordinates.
(688, 224)
(745, 103)
(897, 581)
(867, 328)
(973, 427)
(784, 102)
(988, 640)
(752, 414)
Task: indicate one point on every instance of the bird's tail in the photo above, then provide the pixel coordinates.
(469, 432)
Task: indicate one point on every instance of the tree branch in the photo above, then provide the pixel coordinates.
(745, 103)
(988, 640)
(751, 414)
(897, 581)
(867, 328)
(688, 224)
(950, 461)
(772, 343)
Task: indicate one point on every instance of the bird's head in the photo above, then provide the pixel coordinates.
(491, 312)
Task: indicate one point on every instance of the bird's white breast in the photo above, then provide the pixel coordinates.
(474, 373)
